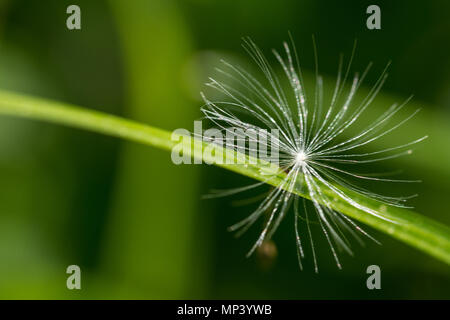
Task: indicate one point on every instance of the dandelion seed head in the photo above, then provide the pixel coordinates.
(315, 148)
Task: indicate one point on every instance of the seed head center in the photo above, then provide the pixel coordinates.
(301, 158)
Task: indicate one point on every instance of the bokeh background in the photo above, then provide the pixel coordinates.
(134, 222)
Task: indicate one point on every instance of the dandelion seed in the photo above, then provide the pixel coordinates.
(312, 149)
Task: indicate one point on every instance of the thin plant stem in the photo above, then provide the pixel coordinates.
(412, 228)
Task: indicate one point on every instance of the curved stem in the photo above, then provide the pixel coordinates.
(412, 228)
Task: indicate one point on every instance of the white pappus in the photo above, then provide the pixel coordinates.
(312, 142)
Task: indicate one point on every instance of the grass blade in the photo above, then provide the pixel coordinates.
(414, 229)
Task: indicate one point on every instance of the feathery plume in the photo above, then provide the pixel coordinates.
(310, 141)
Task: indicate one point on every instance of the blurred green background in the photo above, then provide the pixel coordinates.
(132, 220)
